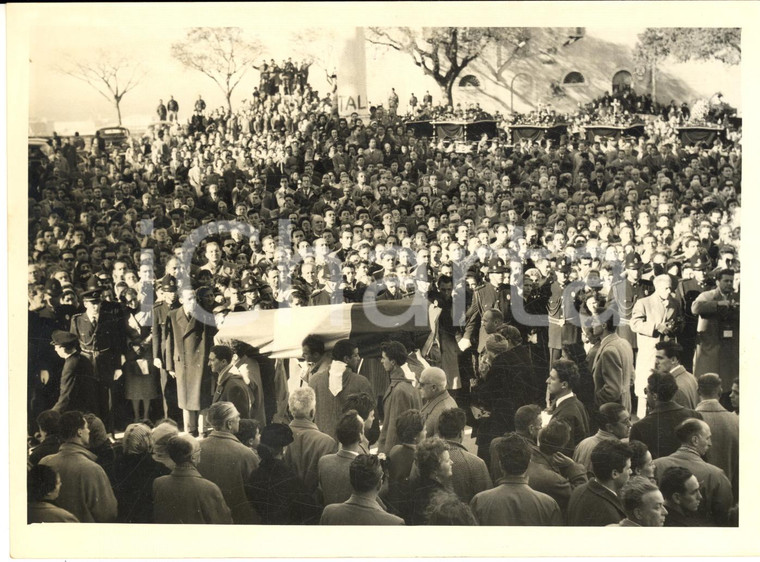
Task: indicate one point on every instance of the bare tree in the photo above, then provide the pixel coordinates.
(111, 75)
(444, 52)
(221, 53)
(319, 47)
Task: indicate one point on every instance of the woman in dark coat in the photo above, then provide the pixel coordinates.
(134, 475)
(504, 388)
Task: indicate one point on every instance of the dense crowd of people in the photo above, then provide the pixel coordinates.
(582, 298)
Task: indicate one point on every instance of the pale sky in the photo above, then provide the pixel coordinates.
(71, 104)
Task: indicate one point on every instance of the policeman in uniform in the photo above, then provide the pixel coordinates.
(626, 292)
(494, 294)
(687, 291)
(563, 316)
(101, 331)
(250, 288)
(167, 301)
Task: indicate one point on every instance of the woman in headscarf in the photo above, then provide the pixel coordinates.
(134, 475)
(100, 444)
(165, 429)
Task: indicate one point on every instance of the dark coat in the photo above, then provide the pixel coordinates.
(444, 333)
(232, 388)
(486, 298)
(79, 387)
(625, 295)
(189, 344)
(49, 446)
(133, 487)
(562, 315)
(657, 430)
(279, 496)
(505, 388)
(593, 505)
(423, 491)
(160, 332)
(574, 412)
(105, 343)
(717, 337)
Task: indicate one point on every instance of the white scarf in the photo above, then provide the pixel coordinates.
(335, 377)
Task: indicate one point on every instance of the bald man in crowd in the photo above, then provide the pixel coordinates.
(695, 437)
(435, 398)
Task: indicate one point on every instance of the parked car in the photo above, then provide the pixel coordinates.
(113, 137)
(39, 150)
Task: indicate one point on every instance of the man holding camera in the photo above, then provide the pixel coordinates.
(655, 318)
(718, 330)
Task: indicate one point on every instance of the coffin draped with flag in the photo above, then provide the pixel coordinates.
(279, 333)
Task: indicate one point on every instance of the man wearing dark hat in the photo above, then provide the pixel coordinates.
(79, 386)
(626, 292)
(562, 312)
(101, 332)
(167, 301)
(274, 489)
(494, 294)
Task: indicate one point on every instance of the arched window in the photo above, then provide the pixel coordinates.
(469, 81)
(622, 80)
(574, 78)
